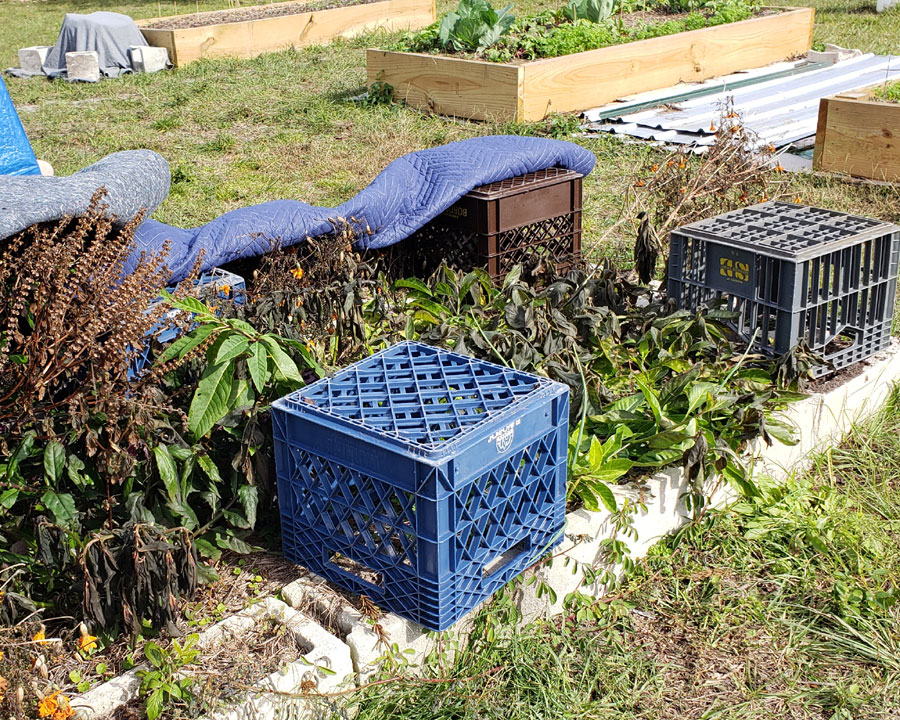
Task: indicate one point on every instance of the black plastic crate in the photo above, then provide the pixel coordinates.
(791, 272)
(497, 226)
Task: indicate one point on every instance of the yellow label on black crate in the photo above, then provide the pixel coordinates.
(734, 269)
(731, 270)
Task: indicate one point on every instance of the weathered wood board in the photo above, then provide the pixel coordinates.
(252, 37)
(481, 90)
(859, 137)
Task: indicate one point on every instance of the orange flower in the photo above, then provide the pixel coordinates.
(39, 637)
(682, 165)
(798, 199)
(779, 168)
(3, 686)
(86, 643)
(671, 163)
(225, 289)
(712, 127)
(654, 167)
(639, 183)
(55, 707)
(297, 272)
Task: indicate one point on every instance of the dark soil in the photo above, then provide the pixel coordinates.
(257, 12)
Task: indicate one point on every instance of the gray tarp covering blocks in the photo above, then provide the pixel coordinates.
(108, 34)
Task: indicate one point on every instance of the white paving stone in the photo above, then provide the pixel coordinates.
(83, 65)
(31, 59)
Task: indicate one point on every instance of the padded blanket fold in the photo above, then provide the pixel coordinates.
(407, 194)
(135, 180)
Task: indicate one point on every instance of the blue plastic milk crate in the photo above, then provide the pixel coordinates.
(422, 478)
(215, 283)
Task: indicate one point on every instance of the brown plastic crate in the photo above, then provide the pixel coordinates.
(497, 226)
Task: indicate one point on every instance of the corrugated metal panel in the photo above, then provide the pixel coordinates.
(780, 110)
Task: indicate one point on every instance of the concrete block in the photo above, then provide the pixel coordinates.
(148, 59)
(83, 66)
(832, 54)
(31, 59)
(102, 701)
(327, 666)
(882, 5)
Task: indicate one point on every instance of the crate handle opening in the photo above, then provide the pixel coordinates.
(499, 563)
(356, 570)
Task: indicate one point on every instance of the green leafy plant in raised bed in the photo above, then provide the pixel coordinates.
(580, 26)
(474, 25)
(889, 92)
(594, 10)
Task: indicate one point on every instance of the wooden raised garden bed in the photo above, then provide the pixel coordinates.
(482, 90)
(858, 136)
(198, 35)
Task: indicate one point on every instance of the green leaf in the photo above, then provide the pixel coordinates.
(249, 498)
(183, 345)
(611, 470)
(283, 363)
(413, 284)
(168, 472)
(54, 461)
(62, 505)
(8, 498)
(258, 365)
(229, 541)
(184, 513)
(233, 346)
(154, 654)
(192, 305)
(207, 549)
(210, 401)
(154, 705)
(209, 467)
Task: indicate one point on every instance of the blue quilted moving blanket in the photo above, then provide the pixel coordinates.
(407, 194)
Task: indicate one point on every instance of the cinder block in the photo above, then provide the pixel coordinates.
(102, 701)
(31, 59)
(83, 65)
(148, 59)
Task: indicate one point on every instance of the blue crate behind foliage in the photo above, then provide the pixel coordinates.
(422, 478)
(225, 285)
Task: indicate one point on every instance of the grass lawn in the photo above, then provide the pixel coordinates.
(238, 132)
(772, 609)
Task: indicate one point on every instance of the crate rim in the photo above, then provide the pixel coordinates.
(883, 228)
(432, 453)
(565, 175)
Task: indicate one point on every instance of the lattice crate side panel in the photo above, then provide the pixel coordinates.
(374, 537)
(839, 301)
(557, 238)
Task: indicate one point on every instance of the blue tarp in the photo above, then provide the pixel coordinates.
(16, 155)
(407, 194)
